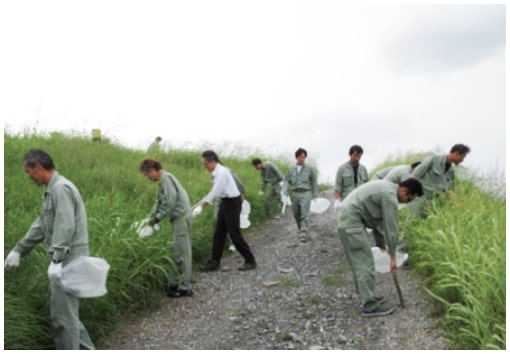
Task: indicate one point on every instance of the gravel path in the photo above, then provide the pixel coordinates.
(301, 296)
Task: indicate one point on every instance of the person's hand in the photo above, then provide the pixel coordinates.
(196, 212)
(337, 205)
(261, 193)
(288, 201)
(12, 259)
(393, 264)
(55, 270)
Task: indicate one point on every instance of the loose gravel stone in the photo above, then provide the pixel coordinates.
(301, 296)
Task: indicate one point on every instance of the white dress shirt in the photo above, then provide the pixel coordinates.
(224, 185)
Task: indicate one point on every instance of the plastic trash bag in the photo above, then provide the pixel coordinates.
(143, 229)
(382, 260)
(319, 205)
(85, 276)
(245, 214)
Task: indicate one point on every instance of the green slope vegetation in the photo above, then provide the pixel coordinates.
(460, 248)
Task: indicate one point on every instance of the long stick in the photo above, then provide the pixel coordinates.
(399, 291)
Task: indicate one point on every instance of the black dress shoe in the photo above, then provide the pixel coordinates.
(210, 266)
(179, 293)
(248, 266)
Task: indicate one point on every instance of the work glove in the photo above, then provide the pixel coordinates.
(288, 201)
(338, 205)
(261, 193)
(12, 259)
(196, 211)
(55, 270)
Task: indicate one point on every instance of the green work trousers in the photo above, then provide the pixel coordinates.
(359, 254)
(275, 192)
(180, 251)
(301, 208)
(70, 333)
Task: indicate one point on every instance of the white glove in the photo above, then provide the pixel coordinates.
(145, 231)
(55, 270)
(12, 259)
(288, 201)
(261, 193)
(337, 205)
(196, 211)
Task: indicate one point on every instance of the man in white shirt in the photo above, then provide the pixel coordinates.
(229, 211)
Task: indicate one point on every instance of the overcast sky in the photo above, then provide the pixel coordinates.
(268, 75)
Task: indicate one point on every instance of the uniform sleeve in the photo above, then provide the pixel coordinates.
(338, 180)
(286, 183)
(263, 181)
(33, 237)
(313, 183)
(390, 223)
(278, 172)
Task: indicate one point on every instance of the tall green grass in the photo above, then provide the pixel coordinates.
(115, 195)
(460, 249)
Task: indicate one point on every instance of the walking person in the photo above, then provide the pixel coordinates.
(271, 175)
(301, 182)
(173, 204)
(373, 205)
(349, 176)
(62, 224)
(228, 217)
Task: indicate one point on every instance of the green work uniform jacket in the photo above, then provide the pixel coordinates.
(373, 205)
(172, 201)
(270, 174)
(344, 183)
(306, 179)
(62, 222)
(398, 174)
(431, 173)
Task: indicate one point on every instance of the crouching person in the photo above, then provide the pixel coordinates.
(373, 205)
(173, 204)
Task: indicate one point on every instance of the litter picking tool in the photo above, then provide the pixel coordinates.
(399, 291)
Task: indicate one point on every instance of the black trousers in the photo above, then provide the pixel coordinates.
(227, 221)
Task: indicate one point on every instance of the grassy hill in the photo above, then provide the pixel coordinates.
(460, 249)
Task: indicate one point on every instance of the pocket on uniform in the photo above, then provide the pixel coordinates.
(357, 238)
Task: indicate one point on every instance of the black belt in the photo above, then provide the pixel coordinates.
(231, 198)
(301, 190)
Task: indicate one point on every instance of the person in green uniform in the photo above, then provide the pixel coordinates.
(271, 175)
(382, 173)
(400, 173)
(173, 204)
(349, 176)
(437, 175)
(301, 182)
(373, 205)
(62, 224)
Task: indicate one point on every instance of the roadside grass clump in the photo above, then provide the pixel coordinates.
(460, 249)
(116, 195)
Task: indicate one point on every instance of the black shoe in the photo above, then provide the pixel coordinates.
(179, 293)
(210, 266)
(380, 311)
(380, 298)
(171, 288)
(248, 266)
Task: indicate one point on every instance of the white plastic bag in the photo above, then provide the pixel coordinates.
(143, 229)
(319, 205)
(382, 260)
(245, 214)
(85, 276)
